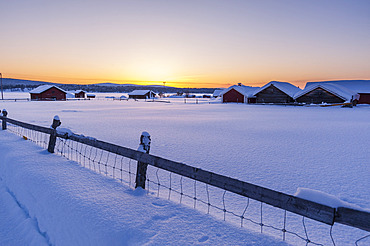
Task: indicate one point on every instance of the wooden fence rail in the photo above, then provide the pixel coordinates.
(322, 213)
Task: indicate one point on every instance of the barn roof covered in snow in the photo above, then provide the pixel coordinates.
(217, 93)
(139, 92)
(338, 90)
(43, 88)
(285, 87)
(359, 86)
(247, 91)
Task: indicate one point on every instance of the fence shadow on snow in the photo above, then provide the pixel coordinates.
(232, 200)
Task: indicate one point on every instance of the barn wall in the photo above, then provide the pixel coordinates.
(318, 96)
(364, 98)
(273, 95)
(233, 96)
(80, 95)
(53, 94)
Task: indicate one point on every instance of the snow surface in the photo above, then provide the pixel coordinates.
(53, 201)
(323, 198)
(277, 147)
(359, 86)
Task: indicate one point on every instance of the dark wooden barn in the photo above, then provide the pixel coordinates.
(141, 94)
(48, 93)
(325, 93)
(364, 98)
(80, 94)
(360, 87)
(276, 92)
(239, 94)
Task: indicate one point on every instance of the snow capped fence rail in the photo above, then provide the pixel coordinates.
(108, 159)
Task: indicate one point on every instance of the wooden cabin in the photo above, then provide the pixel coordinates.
(141, 94)
(325, 93)
(80, 94)
(239, 94)
(361, 87)
(276, 92)
(48, 93)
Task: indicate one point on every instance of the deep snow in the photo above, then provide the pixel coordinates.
(48, 200)
(282, 148)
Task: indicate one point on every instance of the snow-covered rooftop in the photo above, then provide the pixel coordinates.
(217, 93)
(247, 91)
(43, 88)
(285, 87)
(359, 86)
(338, 90)
(139, 92)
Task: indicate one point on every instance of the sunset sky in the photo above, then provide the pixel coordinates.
(192, 43)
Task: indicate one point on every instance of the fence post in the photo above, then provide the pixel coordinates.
(142, 167)
(5, 114)
(53, 134)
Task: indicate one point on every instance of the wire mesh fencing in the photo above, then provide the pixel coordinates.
(218, 202)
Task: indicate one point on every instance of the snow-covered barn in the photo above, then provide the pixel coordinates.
(276, 92)
(318, 93)
(80, 94)
(141, 94)
(48, 92)
(362, 87)
(239, 94)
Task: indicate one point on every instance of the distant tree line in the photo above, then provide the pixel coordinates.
(118, 89)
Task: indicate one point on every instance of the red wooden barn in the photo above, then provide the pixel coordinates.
(239, 94)
(48, 93)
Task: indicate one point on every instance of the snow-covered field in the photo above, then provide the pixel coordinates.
(282, 148)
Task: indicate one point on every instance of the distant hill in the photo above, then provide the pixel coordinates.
(113, 84)
(10, 81)
(20, 84)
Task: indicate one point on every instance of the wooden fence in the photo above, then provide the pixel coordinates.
(322, 213)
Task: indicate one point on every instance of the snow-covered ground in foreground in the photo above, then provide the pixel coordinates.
(53, 201)
(282, 148)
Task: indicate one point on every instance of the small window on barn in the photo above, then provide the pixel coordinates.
(53, 92)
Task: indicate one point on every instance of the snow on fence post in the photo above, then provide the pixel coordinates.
(53, 134)
(4, 114)
(142, 167)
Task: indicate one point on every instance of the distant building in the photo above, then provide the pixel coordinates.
(48, 93)
(276, 92)
(239, 94)
(141, 94)
(318, 93)
(80, 94)
(90, 96)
